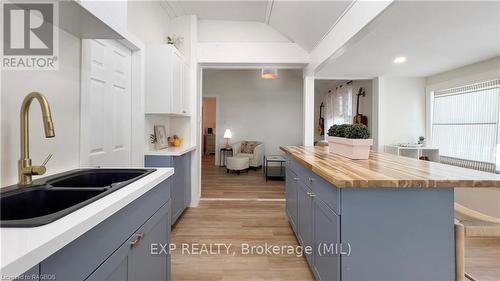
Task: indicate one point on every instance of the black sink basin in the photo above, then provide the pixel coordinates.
(41, 202)
(96, 178)
(51, 198)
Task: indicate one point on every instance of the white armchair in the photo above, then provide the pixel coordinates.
(255, 158)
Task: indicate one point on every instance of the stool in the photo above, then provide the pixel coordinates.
(237, 164)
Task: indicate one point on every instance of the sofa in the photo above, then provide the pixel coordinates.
(253, 150)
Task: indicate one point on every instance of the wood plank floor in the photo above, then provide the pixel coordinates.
(236, 210)
(216, 183)
(236, 223)
(482, 258)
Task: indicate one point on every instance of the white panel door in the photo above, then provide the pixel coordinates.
(105, 133)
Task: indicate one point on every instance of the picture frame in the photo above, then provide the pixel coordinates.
(161, 137)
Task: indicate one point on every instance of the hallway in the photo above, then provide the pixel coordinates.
(248, 211)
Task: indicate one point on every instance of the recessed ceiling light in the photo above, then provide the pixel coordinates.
(400, 60)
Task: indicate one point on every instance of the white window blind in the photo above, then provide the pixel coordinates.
(465, 124)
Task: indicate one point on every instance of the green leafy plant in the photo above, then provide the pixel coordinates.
(332, 132)
(152, 138)
(355, 131)
(338, 130)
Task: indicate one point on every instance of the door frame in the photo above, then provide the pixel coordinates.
(217, 118)
(199, 67)
(138, 138)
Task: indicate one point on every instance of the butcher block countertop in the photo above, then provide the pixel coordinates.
(387, 170)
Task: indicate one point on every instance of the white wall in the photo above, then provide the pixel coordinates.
(257, 109)
(148, 21)
(62, 90)
(237, 31)
(401, 110)
(483, 200)
(245, 42)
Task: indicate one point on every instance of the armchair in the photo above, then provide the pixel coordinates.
(255, 158)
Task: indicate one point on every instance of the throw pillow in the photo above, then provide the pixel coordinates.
(248, 146)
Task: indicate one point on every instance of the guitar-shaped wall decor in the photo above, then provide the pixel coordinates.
(321, 120)
(360, 118)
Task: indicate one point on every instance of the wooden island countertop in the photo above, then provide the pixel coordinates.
(387, 170)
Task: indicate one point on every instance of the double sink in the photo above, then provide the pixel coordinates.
(51, 198)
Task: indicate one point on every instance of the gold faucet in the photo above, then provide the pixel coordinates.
(25, 169)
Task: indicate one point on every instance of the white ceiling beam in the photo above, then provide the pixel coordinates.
(269, 10)
(173, 8)
(358, 15)
(251, 53)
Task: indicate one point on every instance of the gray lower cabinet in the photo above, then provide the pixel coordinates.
(291, 198)
(370, 234)
(326, 237)
(119, 248)
(315, 225)
(305, 218)
(181, 180)
(134, 260)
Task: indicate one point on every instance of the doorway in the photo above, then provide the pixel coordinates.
(209, 125)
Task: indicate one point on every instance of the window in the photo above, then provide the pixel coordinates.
(465, 125)
(339, 106)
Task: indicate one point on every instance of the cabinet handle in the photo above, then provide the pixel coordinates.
(134, 242)
(138, 238)
(295, 179)
(311, 194)
(312, 179)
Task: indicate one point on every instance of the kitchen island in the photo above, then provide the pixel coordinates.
(385, 218)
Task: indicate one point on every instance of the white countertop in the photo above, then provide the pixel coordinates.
(23, 248)
(173, 150)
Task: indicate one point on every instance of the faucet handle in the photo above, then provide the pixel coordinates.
(46, 160)
(40, 170)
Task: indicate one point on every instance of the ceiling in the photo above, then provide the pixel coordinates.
(225, 10)
(303, 22)
(433, 36)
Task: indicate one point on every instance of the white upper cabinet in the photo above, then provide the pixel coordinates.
(166, 91)
(186, 96)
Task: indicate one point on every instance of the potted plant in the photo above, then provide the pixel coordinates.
(351, 141)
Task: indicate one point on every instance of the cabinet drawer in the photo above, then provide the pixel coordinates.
(81, 257)
(324, 190)
(300, 171)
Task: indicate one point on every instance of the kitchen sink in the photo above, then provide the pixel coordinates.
(96, 178)
(51, 198)
(41, 202)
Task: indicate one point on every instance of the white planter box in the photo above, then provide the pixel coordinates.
(350, 148)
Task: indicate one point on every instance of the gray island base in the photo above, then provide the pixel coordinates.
(371, 233)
